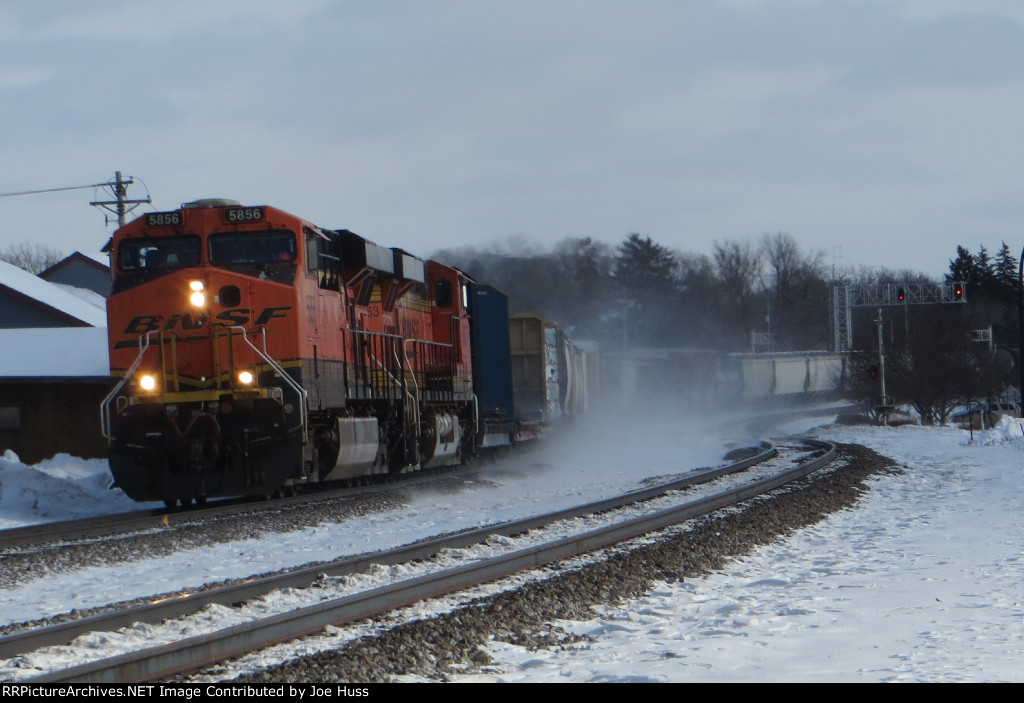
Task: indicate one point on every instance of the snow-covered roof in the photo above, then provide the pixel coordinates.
(89, 296)
(54, 352)
(72, 258)
(51, 295)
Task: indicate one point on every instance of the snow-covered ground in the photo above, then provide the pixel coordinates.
(60, 488)
(589, 462)
(921, 581)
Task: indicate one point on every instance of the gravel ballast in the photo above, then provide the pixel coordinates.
(455, 641)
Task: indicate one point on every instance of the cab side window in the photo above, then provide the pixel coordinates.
(323, 259)
(443, 293)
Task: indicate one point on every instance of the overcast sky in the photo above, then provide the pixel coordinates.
(883, 132)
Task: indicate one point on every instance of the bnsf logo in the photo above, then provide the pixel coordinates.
(141, 324)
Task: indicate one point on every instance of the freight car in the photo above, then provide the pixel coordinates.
(702, 378)
(786, 376)
(256, 351)
(549, 373)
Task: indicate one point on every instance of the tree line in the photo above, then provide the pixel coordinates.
(34, 258)
(643, 294)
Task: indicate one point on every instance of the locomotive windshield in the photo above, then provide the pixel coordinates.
(163, 253)
(141, 260)
(270, 255)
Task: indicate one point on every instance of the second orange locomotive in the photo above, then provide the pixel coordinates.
(256, 350)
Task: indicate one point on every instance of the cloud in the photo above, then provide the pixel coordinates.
(18, 78)
(143, 21)
(457, 120)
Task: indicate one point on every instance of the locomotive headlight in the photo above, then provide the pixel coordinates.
(147, 382)
(245, 377)
(198, 295)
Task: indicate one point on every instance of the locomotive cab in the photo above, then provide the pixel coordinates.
(201, 323)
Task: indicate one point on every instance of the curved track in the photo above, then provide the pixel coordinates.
(187, 655)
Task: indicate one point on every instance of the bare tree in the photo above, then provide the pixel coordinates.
(797, 290)
(31, 257)
(934, 365)
(738, 268)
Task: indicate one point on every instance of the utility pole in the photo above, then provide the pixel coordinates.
(884, 406)
(1020, 327)
(121, 205)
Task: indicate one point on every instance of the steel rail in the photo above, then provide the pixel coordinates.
(193, 653)
(19, 539)
(46, 535)
(178, 606)
(55, 535)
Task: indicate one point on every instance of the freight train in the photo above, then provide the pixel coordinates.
(256, 351)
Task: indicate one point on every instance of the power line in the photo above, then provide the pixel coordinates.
(52, 190)
(120, 205)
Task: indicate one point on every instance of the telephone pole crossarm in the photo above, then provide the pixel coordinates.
(121, 205)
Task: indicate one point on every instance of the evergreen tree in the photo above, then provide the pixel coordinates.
(963, 267)
(646, 274)
(643, 266)
(993, 290)
(1006, 271)
(983, 266)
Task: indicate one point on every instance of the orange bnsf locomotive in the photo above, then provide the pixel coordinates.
(256, 351)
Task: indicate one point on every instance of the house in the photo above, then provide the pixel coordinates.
(54, 368)
(80, 271)
(29, 301)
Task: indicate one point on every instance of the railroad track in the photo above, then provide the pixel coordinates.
(55, 535)
(547, 545)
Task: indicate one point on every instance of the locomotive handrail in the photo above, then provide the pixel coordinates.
(373, 357)
(303, 394)
(105, 405)
(426, 345)
(406, 360)
(411, 397)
